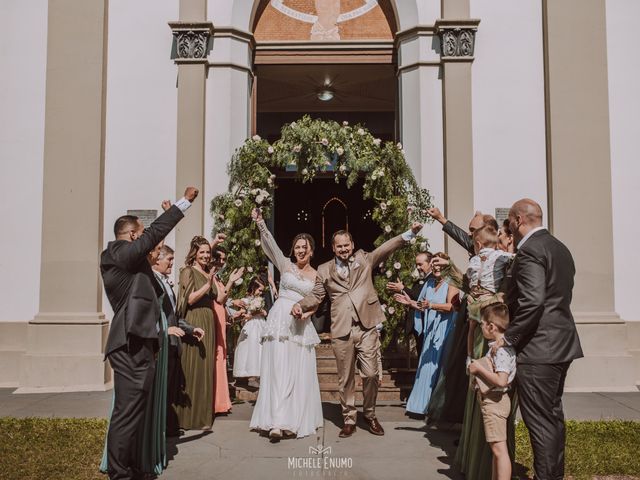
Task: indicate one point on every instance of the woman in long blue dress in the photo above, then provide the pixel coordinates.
(435, 305)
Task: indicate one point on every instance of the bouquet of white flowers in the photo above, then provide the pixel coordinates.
(255, 305)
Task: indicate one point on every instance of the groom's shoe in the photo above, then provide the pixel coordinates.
(348, 430)
(374, 426)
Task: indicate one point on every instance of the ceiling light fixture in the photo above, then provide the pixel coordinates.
(325, 95)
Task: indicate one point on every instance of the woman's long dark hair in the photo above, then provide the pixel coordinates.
(303, 236)
(196, 243)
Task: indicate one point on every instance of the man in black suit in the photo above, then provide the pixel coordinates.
(423, 267)
(462, 238)
(133, 293)
(177, 328)
(538, 291)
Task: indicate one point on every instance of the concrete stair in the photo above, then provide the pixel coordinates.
(397, 377)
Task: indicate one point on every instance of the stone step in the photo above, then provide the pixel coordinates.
(331, 376)
(329, 393)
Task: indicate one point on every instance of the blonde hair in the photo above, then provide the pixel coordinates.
(498, 314)
(486, 236)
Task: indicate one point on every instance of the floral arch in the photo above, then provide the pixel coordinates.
(351, 153)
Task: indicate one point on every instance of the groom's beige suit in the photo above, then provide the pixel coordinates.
(355, 311)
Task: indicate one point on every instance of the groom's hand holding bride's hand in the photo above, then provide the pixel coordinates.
(296, 311)
(416, 227)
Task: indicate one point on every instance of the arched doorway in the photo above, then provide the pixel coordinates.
(333, 60)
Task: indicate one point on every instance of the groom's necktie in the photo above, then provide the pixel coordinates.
(343, 269)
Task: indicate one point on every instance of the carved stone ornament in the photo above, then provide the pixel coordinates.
(457, 39)
(191, 41)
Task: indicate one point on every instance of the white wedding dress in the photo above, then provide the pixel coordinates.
(289, 395)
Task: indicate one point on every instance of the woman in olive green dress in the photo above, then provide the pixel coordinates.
(196, 294)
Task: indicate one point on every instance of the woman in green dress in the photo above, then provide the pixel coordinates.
(196, 294)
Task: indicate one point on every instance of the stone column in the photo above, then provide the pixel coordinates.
(65, 341)
(579, 180)
(231, 102)
(457, 39)
(191, 35)
(420, 114)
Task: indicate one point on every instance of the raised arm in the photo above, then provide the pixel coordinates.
(269, 245)
(383, 252)
(130, 254)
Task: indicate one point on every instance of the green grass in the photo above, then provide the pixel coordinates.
(51, 448)
(70, 449)
(593, 448)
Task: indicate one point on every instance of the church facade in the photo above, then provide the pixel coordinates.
(112, 105)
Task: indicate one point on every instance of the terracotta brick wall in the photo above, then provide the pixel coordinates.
(377, 23)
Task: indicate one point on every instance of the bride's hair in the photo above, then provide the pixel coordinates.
(303, 236)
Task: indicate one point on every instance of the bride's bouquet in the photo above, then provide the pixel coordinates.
(255, 305)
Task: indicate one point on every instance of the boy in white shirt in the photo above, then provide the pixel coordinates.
(493, 386)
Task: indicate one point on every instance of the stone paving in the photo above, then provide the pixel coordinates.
(230, 451)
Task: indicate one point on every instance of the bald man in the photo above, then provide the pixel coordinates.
(538, 292)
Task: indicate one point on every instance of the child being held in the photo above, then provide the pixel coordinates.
(249, 347)
(492, 377)
(483, 278)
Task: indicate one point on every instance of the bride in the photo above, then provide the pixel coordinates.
(289, 397)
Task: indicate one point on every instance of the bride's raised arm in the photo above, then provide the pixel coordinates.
(269, 245)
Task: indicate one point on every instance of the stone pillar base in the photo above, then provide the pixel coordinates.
(608, 364)
(65, 352)
(13, 343)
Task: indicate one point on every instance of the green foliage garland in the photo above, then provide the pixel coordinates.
(312, 146)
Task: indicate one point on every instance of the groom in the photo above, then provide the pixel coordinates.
(355, 311)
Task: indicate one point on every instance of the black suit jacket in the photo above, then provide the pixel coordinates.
(130, 284)
(414, 293)
(538, 291)
(461, 237)
(172, 318)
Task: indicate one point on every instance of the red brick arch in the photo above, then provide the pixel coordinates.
(270, 24)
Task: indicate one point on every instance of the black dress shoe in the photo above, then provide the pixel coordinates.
(348, 430)
(374, 426)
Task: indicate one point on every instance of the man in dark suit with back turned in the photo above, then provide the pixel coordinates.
(538, 291)
(133, 293)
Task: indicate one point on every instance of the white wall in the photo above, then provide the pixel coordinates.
(140, 154)
(23, 56)
(509, 153)
(624, 105)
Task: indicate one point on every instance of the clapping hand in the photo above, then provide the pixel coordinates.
(423, 304)
(198, 333)
(396, 287)
(256, 214)
(166, 205)
(236, 275)
(416, 227)
(403, 298)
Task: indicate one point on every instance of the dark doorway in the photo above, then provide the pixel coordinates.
(320, 208)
